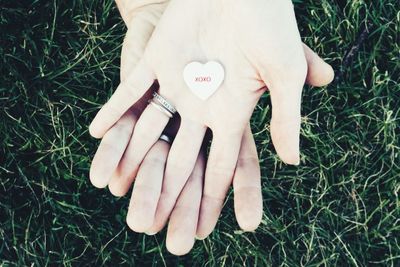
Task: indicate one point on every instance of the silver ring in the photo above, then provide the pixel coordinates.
(166, 138)
(161, 108)
(163, 102)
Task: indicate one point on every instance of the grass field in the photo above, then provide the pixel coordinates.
(340, 207)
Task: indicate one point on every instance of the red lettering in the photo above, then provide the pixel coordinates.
(202, 79)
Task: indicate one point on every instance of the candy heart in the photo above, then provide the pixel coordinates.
(203, 79)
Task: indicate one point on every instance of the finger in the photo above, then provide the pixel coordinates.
(219, 173)
(147, 188)
(127, 94)
(183, 222)
(286, 105)
(181, 160)
(111, 149)
(135, 41)
(247, 185)
(147, 130)
(319, 72)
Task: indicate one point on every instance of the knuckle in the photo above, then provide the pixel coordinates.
(195, 177)
(145, 194)
(214, 199)
(247, 162)
(186, 208)
(252, 191)
(147, 204)
(220, 171)
(217, 172)
(121, 129)
(112, 110)
(108, 145)
(154, 162)
(181, 166)
(140, 133)
(228, 130)
(168, 196)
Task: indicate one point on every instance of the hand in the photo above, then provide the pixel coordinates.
(317, 79)
(183, 219)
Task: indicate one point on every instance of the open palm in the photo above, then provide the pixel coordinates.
(259, 46)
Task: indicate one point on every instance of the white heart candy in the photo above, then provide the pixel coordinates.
(203, 79)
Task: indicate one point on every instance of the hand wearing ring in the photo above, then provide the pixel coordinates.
(233, 101)
(162, 105)
(166, 138)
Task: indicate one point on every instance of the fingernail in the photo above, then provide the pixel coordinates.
(199, 238)
(150, 233)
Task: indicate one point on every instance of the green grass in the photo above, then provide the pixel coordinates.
(340, 207)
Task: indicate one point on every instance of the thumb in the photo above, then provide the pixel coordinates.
(141, 25)
(140, 28)
(286, 105)
(134, 45)
(319, 72)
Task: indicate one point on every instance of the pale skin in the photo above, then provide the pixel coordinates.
(169, 180)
